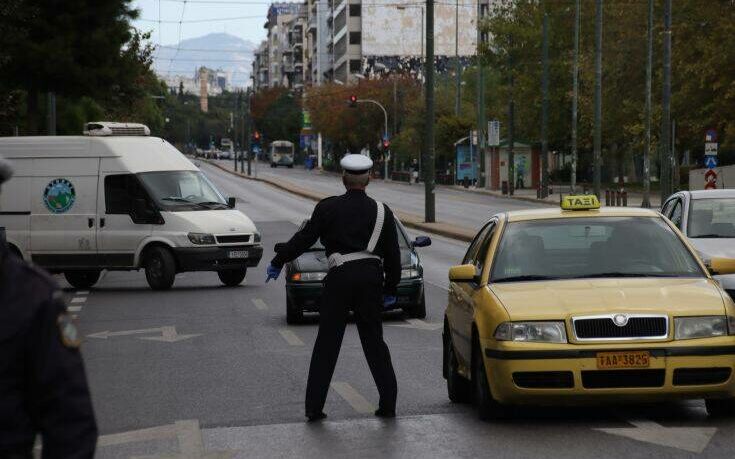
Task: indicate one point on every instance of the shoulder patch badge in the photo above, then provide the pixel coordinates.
(68, 331)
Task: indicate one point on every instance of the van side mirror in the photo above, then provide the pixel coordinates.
(143, 213)
(231, 202)
(719, 265)
(462, 273)
(422, 241)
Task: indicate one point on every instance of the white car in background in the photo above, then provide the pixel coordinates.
(707, 218)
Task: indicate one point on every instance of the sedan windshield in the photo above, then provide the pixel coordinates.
(711, 218)
(182, 190)
(591, 248)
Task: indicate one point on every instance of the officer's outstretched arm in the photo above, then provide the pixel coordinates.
(302, 240)
(62, 408)
(391, 254)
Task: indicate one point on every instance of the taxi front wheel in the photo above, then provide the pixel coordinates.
(458, 388)
(720, 408)
(487, 407)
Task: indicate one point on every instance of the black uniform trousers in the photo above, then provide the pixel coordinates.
(356, 285)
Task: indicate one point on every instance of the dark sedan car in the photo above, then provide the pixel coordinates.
(305, 276)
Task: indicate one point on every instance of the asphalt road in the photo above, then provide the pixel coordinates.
(204, 370)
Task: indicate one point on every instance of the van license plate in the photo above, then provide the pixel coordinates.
(632, 359)
(238, 254)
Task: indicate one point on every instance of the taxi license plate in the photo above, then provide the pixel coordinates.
(631, 359)
(238, 254)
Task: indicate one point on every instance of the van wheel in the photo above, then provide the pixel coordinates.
(720, 408)
(82, 279)
(160, 268)
(487, 407)
(232, 277)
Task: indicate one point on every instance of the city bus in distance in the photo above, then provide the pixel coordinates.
(281, 153)
(227, 147)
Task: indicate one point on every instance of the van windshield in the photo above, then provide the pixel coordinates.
(182, 191)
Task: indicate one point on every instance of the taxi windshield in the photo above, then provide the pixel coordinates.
(182, 191)
(575, 248)
(711, 218)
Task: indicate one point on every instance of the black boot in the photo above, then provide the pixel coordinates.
(314, 417)
(385, 413)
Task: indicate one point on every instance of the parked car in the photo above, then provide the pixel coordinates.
(707, 218)
(305, 276)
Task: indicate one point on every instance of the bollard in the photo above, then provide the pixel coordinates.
(625, 198)
(617, 198)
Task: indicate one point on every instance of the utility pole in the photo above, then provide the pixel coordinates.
(575, 96)
(545, 110)
(598, 98)
(458, 66)
(429, 204)
(647, 147)
(666, 162)
(511, 124)
(247, 138)
(51, 118)
(481, 121)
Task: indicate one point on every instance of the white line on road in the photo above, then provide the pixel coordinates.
(692, 439)
(260, 304)
(82, 292)
(190, 438)
(74, 308)
(79, 300)
(353, 397)
(290, 337)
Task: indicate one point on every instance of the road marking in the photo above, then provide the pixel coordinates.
(79, 300)
(260, 304)
(290, 337)
(692, 439)
(190, 438)
(82, 292)
(168, 334)
(353, 397)
(419, 324)
(74, 308)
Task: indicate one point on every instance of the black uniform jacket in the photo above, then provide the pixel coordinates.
(344, 224)
(43, 387)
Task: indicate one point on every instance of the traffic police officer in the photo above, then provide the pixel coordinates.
(359, 235)
(43, 388)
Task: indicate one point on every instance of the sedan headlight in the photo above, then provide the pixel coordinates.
(541, 332)
(409, 273)
(308, 277)
(700, 327)
(201, 238)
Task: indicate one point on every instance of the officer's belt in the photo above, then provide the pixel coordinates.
(338, 259)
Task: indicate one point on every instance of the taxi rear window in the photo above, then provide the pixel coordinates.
(591, 247)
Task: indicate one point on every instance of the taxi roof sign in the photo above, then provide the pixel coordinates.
(580, 202)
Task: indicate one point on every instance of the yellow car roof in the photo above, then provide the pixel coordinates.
(556, 212)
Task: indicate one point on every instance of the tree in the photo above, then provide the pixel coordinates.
(277, 114)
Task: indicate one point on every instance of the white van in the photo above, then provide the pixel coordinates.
(118, 199)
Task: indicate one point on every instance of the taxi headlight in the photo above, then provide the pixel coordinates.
(731, 325)
(308, 277)
(409, 273)
(542, 332)
(700, 327)
(201, 238)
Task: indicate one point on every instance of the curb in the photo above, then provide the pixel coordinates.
(409, 220)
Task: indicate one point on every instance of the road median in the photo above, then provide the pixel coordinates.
(409, 220)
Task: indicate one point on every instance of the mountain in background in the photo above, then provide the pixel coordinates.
(214, 51)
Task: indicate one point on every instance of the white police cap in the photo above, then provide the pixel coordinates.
(6, 171)
(356, 164)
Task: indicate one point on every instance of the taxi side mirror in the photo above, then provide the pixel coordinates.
(462, 273)
(718, 265)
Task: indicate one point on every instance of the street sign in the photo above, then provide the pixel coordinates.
(474, 138)
(710, 179)
(710, 148)
(710, 162)
(710, 135)
(493, 133)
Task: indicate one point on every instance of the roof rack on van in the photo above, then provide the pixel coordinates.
(108, 128)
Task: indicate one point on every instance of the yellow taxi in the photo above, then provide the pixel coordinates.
(583, 304)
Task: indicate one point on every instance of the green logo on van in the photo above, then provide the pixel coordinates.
(59, 195)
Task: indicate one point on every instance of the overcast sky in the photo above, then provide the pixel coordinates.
(243, 18)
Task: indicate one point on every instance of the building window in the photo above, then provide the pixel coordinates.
(355, 38)
(355, 65)
(355, 9)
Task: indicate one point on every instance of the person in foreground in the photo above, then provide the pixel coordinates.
(43, 387)
(359, 235)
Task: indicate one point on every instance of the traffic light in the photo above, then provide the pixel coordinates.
(386, 144)
(256, 136)
(353, 100)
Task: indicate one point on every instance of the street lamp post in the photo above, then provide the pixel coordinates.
(421, 58)
(385, 129)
